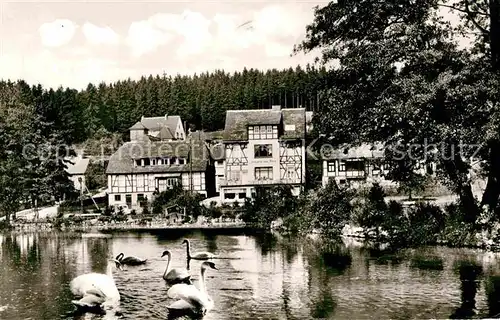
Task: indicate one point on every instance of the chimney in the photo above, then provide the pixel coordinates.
(166, 116)
(142, 118)
(276, 108)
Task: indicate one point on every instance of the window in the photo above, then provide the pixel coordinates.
(233, 175)
(138, 162)
(342, 165)
(242, 195)
(146, 161)
(229, 195)
(262, 132)
(140, 197)
(263, 151)
(166, 183)
(220, 162)
(181, 161)
(153, 162)
(264, 173)
(331, 166)
(128, 198)
(357, 165)
(118, 197)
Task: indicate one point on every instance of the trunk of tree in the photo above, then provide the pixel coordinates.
(492, 192)
(468, 204)
(495, 34)
(456, 170)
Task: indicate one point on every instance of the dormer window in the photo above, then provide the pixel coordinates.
(262, 132)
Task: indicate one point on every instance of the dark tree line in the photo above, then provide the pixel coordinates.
(201, 100)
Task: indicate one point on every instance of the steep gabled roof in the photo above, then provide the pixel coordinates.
(347, 151)
(138, 126)
(217, 150)
(122, 161)
(237, 122)
(165, 134)
(156, 123)
(78, 166)
(295, 121)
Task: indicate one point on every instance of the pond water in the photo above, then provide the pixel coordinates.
(261, 276)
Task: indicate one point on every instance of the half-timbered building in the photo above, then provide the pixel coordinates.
(263, 147)
(140, 169)
(361, 164)
(158, 128)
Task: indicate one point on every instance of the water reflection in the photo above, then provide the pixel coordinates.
(493, 296)
(261, 276)
(469, 284)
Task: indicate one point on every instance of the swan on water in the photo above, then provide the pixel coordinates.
(130, 260)
(96, 290)
(191, 299)
(198, 255)
(176, 275)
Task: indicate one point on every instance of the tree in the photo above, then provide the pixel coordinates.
(332, 209)
(403, 79)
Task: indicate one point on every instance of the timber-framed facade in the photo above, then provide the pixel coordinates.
(264, 147)
(141, 169)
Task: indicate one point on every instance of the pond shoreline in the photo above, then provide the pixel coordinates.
(114, 227)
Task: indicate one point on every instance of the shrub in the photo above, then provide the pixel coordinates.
(332, 209)
(373, 211)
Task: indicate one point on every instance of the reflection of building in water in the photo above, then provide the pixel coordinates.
(273, 281)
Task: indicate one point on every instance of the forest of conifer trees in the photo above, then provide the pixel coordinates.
(201, 100)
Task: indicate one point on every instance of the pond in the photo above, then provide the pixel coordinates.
(260, 276)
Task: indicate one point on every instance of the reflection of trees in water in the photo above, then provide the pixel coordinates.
(43, 270)
(325, 263)
(267, 242)
(493, 296)
(470, 274)
(211, 240)
(99, 253)
(427, 263)
(381, 256)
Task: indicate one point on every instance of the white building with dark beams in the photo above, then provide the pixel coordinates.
(140, 169)
(263, 147)
(357, 165)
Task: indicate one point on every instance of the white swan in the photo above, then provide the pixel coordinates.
(191, 299)
(176, 275)
(130, 260)
(96, 290)
(198, 255)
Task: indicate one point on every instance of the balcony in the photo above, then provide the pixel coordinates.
(229, 183)
(352, 174)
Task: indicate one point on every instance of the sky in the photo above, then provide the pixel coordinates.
(74, 42)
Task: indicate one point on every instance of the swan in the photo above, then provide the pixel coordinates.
(198, 255)
(96, 290)
(130, 260)
(191, 299)
(177, 275)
